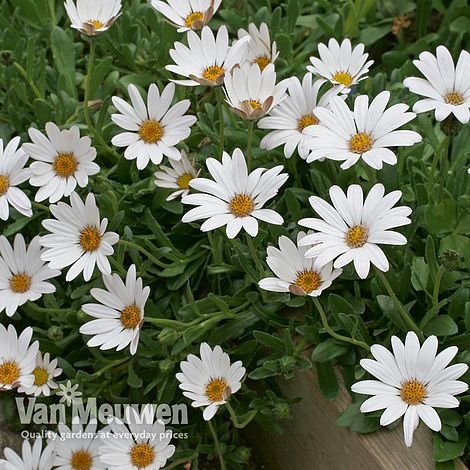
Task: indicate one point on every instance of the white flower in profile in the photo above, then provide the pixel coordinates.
(234, 198)
(44, 374)
(33, 457)
(295, 272)
(177, 177)
(289, 119)
(342, 65)
(352, 228)
(78, 238)
(260, 50)
(119, 313)
(69, 394)
(153, 129)
(364, 133)
(23, 275)
(446, 87)
(92, 17)
(187, 14)
(63, 159)
(210, 380)
(147, 448)
(13, 173)
(412, 382)
(17, 358)
(252, 93)
(207, 59)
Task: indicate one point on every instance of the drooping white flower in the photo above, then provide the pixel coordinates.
(187, 14)
(153, 128)
(207, 59)
(252, 93)
(295, 272)
(412, 382)
(23, 275)
(352, 228)
(44, 374)
(13, 173)
(177, 177)
(289, 119)
(17, 358)
(446, 87)
(342, 65)
(78, 238)
(119, 313)
(234, 198)
(210, 380)
(92, 16)
(63, 159)
(366, 132)
(33, 457)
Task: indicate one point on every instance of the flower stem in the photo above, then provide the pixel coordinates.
(254, 255)
(442, 148)
(234, 417)
(220, 105)
(89, 73)
(217, 445)
(249, 145)
(23, 73)
(145, 252)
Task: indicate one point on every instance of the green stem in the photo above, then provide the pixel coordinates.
(180, 463)
(249, 145)
(217, 445)
(145, 252)
(220, 105)
(32, 85)
(89, 74)
(259, 265)
(41, 206)
(234, 417)
(332, 333)
(437, 284)
(443, 147)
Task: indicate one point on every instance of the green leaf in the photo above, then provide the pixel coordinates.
(442, 325)
(448, 450)
(133, 379)
(419, 274)
(269, 340)
(327, 380)
(328, 350)
(64, 58)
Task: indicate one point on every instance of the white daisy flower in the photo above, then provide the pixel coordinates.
(147, 448)
(365, 133)
(78, 238)
(187, 14)
(120, 313)
(155, 128)
(44, 374)
(295, 272)
(446, 87)
(210, 380)
(207, 59)
(63, 160)
(17, 358)
(33, 457)
(69, 394)
(23, 275)
(341, 65)
(92, 16)
(412, 382)
(293, 115)
(13, 173)
(252, 93)
(260, 50)
(177, 177)
(352, 228)
(234, 198)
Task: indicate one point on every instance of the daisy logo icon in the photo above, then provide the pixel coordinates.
(70, 395)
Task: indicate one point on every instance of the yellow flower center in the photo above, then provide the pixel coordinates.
(213, 72)
(184, 180)
(308, 280)
(81, 460)
(96, 23)
(413, 392)
(307, 120)
(4, 184)
(130, 317)
(242, 205)
(344, 78)
(65, 164)
(142, 455)
(90, 238)
(41, 376)
(454, 98)
(151, 131)
(255, 104)
(195, 17)
(360, 143)
(357, 236)
(20, 283)
(215, 389)
(9, 373)
(262, 61)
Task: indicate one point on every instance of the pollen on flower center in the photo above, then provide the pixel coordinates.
(413, 392)
(194, 17)
(4, 184)
(9, 373)
(20, 283)
(41, 376)
(184, 180)
(142, 455)
(262, 61)
(151, 131)
(255, 104)
(344, 78)
(360, 143)
(213, 72)
(308, 280)
(454, 98)
(90, 238)
(81, 460)
(96, 23)
(216, 389)
(65, 164)
(307, 120)
(130, 317)
(242, 205)
(357, 236)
